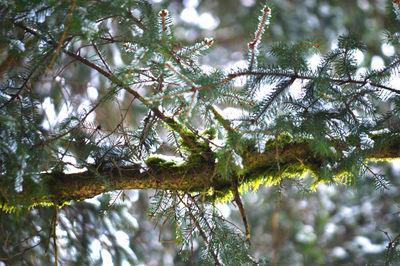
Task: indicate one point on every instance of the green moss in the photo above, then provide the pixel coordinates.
(190, 143)
(193, 160)
(210, 133)
(223, 196)
(296, 169)
(296, 159)
(283, 141)
(388, 144)
(12, 208)
(159, 162)
(252, 185)
(7, 208)
(375, 160)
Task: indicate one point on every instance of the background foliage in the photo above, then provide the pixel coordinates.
(334, 225)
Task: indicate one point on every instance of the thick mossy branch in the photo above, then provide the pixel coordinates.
(296, 158)
(385, 147)
(190, 142)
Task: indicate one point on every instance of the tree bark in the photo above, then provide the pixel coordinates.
(202, 177)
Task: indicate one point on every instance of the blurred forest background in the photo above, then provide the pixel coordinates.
(332, 226)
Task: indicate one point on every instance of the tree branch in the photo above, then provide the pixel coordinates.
(61, 187)
(305, 77)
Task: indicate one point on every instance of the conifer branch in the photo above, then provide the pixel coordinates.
(163, 14)
(181, 76)
(306, 77)
(253, 44)
(239, 203)
(101, 57)
(125, 178)
(63, 187)
(328, 134)
(169, 121)
(68, 24)
(205, 44)
(272, 100)
(200, 229)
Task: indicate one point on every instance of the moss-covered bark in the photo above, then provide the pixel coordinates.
(294, 158)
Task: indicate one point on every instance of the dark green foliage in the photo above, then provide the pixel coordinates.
(159, 99)
(195, 215)
(23, 153)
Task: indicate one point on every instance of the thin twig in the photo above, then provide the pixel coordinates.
(68, 24)
(101, 57)
(239, 203)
